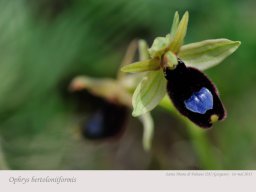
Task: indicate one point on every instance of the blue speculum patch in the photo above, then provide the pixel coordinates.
(200, 102)
(95, 126)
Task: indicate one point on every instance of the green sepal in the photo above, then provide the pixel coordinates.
(148, 93)
(208, 53)
(142, 66)
(180, 34)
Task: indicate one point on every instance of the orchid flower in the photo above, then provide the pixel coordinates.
(173, 68)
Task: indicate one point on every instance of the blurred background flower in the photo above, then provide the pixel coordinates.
(45, 43)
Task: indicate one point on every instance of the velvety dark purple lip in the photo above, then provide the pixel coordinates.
(184, 86)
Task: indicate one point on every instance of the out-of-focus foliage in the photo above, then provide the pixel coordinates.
(44, 43)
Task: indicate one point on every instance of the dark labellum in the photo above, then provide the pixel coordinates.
(107, 121)
(194, 95)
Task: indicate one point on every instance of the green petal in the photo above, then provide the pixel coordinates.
(148, 130)
(148, 93)
(158, 47)
(208, 53)
(175, 24)
(180, 34)
(142, 66)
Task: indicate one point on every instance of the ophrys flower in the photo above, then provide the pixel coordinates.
(190, 90)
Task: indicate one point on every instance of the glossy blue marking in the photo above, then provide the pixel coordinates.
(200, 102)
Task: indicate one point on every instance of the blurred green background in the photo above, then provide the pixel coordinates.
(45, 43)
